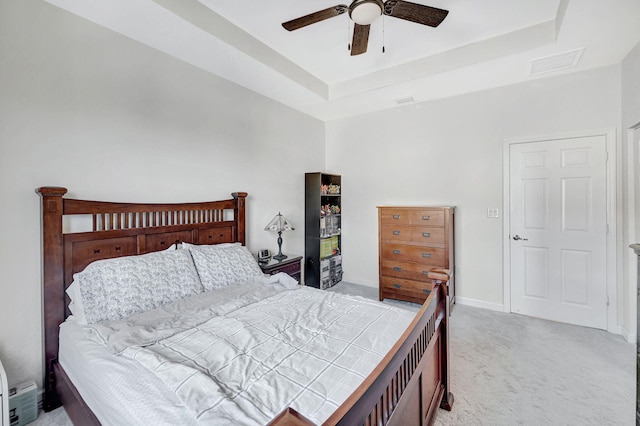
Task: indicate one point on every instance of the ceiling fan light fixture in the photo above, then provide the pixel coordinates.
(364, 12)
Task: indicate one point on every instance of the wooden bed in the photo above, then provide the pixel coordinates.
(406, 388)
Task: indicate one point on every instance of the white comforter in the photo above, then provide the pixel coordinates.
(241, 354)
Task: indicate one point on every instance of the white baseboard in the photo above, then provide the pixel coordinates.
(480, 304)
(359, 281)
(631, 338)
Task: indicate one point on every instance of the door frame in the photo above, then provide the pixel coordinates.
(613, 323)
(631, 237)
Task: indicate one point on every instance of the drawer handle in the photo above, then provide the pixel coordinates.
(426, 217)
(426, 291)
(396, 216)
(426, 255)
(397, 268)
(396, 251)
(396, 232)
(397, 285)
(425, 273)
(426, 234)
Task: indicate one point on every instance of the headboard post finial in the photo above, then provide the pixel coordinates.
(239, 213)
(52, 191)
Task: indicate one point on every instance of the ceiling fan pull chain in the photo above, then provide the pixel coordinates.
(349, 34)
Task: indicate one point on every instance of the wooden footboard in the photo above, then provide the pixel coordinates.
(411, 382)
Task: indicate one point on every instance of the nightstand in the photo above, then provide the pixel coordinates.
(291, 265)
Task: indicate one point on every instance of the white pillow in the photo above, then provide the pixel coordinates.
(219, 266)
(76, 306)
(113, 289)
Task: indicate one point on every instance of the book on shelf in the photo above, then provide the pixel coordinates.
(329, 225)
(329, 246)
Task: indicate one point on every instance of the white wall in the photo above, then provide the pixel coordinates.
(109, 118)
(630, 119)
(450, 152)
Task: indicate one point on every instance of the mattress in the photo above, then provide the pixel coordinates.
(273, 348)
(114, 387)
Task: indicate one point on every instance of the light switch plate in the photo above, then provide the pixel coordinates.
(493, 213)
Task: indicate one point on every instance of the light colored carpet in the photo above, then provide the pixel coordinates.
(508, 369)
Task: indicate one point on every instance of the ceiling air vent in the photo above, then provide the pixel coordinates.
(556, 62)
(404, 100)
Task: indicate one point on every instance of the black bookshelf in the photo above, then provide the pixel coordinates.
(323, 230)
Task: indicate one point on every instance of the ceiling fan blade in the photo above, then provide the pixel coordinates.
(413, 12)
(312, 18)
(360, 39)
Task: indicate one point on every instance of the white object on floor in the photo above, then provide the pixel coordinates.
(4, 397)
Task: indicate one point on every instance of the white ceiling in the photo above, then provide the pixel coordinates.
(480, 44)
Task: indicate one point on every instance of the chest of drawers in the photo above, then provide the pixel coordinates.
(411, 241)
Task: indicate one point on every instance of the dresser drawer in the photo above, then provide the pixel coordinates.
(413, 217)
(427, 217)
(401, 286)
(395, 216)
(407, 270)
(434, 256)
(415, 234)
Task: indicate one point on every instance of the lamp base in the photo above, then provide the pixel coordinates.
(280, 256)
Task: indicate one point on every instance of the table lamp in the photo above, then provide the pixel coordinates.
(278, 224)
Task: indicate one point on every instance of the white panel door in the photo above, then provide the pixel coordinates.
(558, 230)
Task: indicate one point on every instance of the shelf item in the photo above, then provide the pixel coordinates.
(330, 271)
(411, 241)
(323, 230)
(330, 225)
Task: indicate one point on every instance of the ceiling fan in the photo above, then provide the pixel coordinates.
(364, 12)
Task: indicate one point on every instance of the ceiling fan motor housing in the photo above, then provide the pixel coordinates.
(364, 12)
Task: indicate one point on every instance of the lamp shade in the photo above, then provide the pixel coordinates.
(278, 224)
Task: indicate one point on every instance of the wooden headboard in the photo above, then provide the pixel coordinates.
(118, 229)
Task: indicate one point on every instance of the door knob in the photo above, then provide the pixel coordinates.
(518, 237)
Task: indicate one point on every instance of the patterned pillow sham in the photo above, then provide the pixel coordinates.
(113, 289)
(220, 266)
